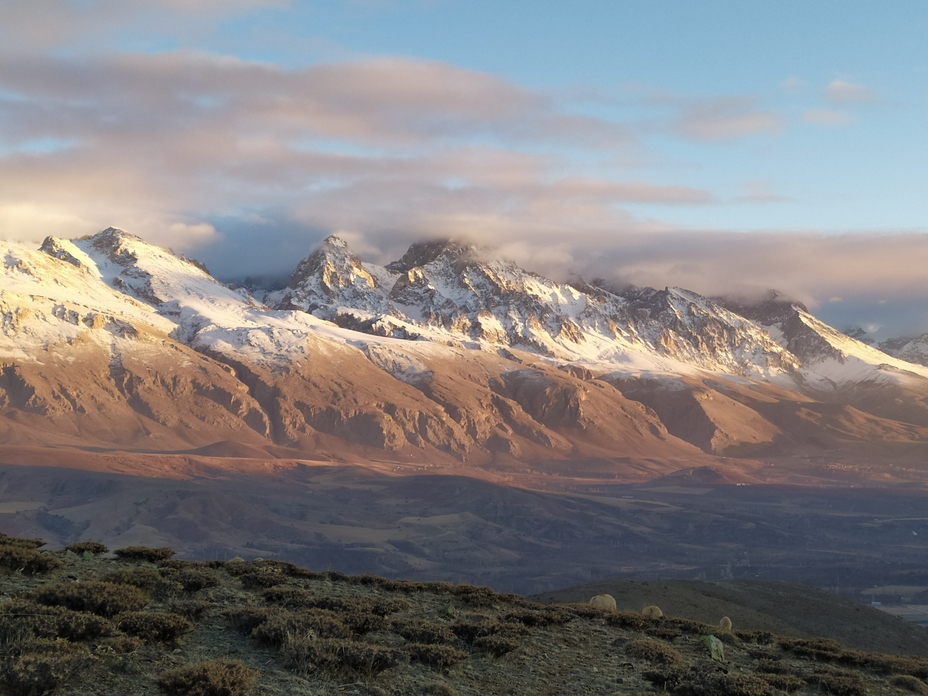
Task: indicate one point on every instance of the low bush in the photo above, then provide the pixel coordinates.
(838, 682)
(35, 674)
(103, 598)
(819, 649)
(909, 683)
(706, 681)
(308, 653)
(193, 609)
(212, 678)
(784, 682)
(22, 543)
(259, 579)
(424, 632)
(277, 625)
(153, 625)
(539, 616)
(195, 579)
(489, 635)
(296, 598)
(144, 553)
(94, 548)
(436, 656)
(25, 559)
(654, 651)
(144, 578)
(631, 620)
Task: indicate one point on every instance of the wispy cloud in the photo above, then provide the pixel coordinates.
(827, 117)
(844, 92)
(724, 118)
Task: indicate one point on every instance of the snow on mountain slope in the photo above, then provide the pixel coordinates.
(829, 359)
(912, 350)
(446, 354)
(444, 291)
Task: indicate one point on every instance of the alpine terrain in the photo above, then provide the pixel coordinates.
(480, 384)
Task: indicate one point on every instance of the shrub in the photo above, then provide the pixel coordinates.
(144, 578)
(308, 653)
(497, 645)
(909, 683)
(144, 553)
(439, 689)
(540, 616)
(295, 598)
(22, 543)
(155, 625)
(654, 651)
(195, 579)
(193, 609)
(784, 682)
(212, 678)
(25, 559)
(40, 673)
(424, 632)
(103, 598)
(630, 620)
(838, 682)
(707, 682)
(438, 656)
(258, 579)
(277, 625)
(820, 649)
(94, 548)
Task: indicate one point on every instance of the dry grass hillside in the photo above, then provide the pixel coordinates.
(81, 622)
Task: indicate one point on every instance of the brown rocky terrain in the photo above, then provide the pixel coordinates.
(77, 623)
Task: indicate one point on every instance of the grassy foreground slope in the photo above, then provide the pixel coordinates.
(79, 622)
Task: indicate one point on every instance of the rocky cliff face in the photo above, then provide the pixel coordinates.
(446, 356)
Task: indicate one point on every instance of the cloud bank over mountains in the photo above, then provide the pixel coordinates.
(111, 116)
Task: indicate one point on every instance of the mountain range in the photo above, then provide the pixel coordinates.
(448, 358)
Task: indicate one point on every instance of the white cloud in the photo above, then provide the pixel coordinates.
(827, 117)
(842, 91)
(724, 118)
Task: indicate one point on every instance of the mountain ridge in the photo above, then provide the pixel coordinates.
(446, 355)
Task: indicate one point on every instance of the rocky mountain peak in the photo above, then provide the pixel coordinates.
(423, 253)
(331, 275)
(64, 250)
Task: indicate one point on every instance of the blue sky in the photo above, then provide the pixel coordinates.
(725, 146)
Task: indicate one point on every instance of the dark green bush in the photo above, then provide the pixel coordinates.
(103, 598)
(212, 678)
(144, 553)
(153, 625)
